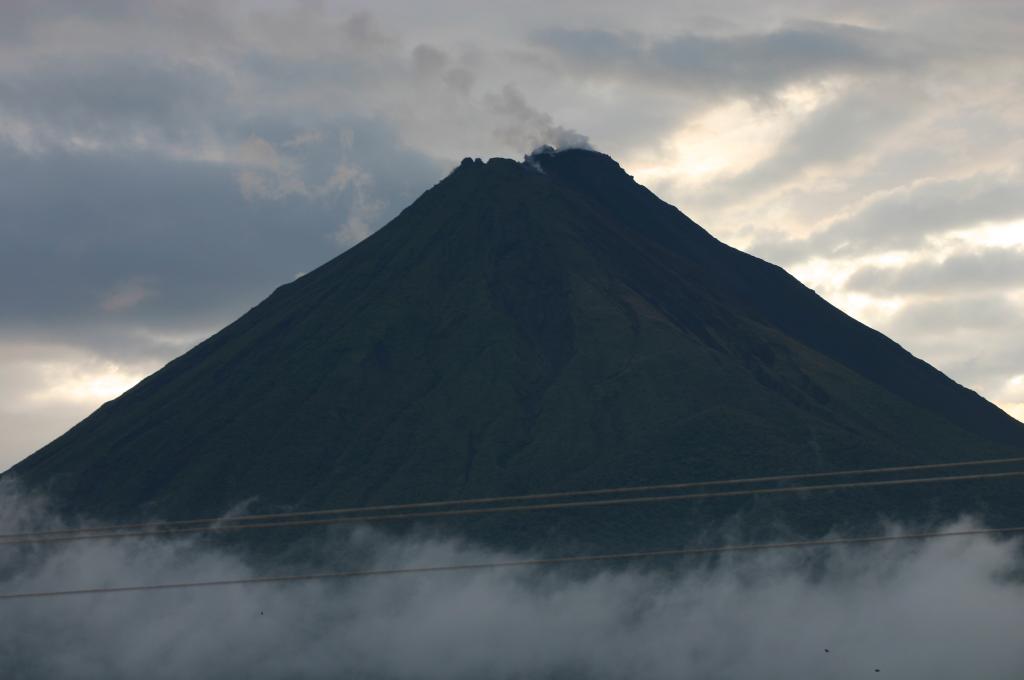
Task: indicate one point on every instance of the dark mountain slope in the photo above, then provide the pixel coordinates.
(773, 296)
(514, 330)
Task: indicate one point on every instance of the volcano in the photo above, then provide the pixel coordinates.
(525, 327)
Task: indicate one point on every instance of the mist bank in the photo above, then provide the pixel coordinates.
(946, 608)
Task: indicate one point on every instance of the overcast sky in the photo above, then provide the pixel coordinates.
(165, 165)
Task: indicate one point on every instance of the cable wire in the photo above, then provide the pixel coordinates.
(516, 498)
(610, 557)
(18, 539)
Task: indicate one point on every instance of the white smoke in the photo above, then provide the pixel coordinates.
(937, 610)
(524, 127)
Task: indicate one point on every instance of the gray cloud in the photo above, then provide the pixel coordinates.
(989, 269)
(113, 99)
(428, 61)
(21, 16)
(851, 126)
(109, 241)
(903, 218)
(754, 63)
(944, 609)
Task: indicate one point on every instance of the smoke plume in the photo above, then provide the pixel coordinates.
(524, 127)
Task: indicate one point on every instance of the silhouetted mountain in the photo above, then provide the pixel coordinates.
(527, 327)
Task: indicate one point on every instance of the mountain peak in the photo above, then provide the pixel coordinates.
(544, 156)
(567, 163)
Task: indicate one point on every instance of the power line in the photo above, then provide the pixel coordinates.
(18, 539)
(521, 497)
(524, 497)
(679, 552)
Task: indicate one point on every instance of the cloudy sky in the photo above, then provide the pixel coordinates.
(165, 165)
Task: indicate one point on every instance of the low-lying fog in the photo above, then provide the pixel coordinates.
(946, 608)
